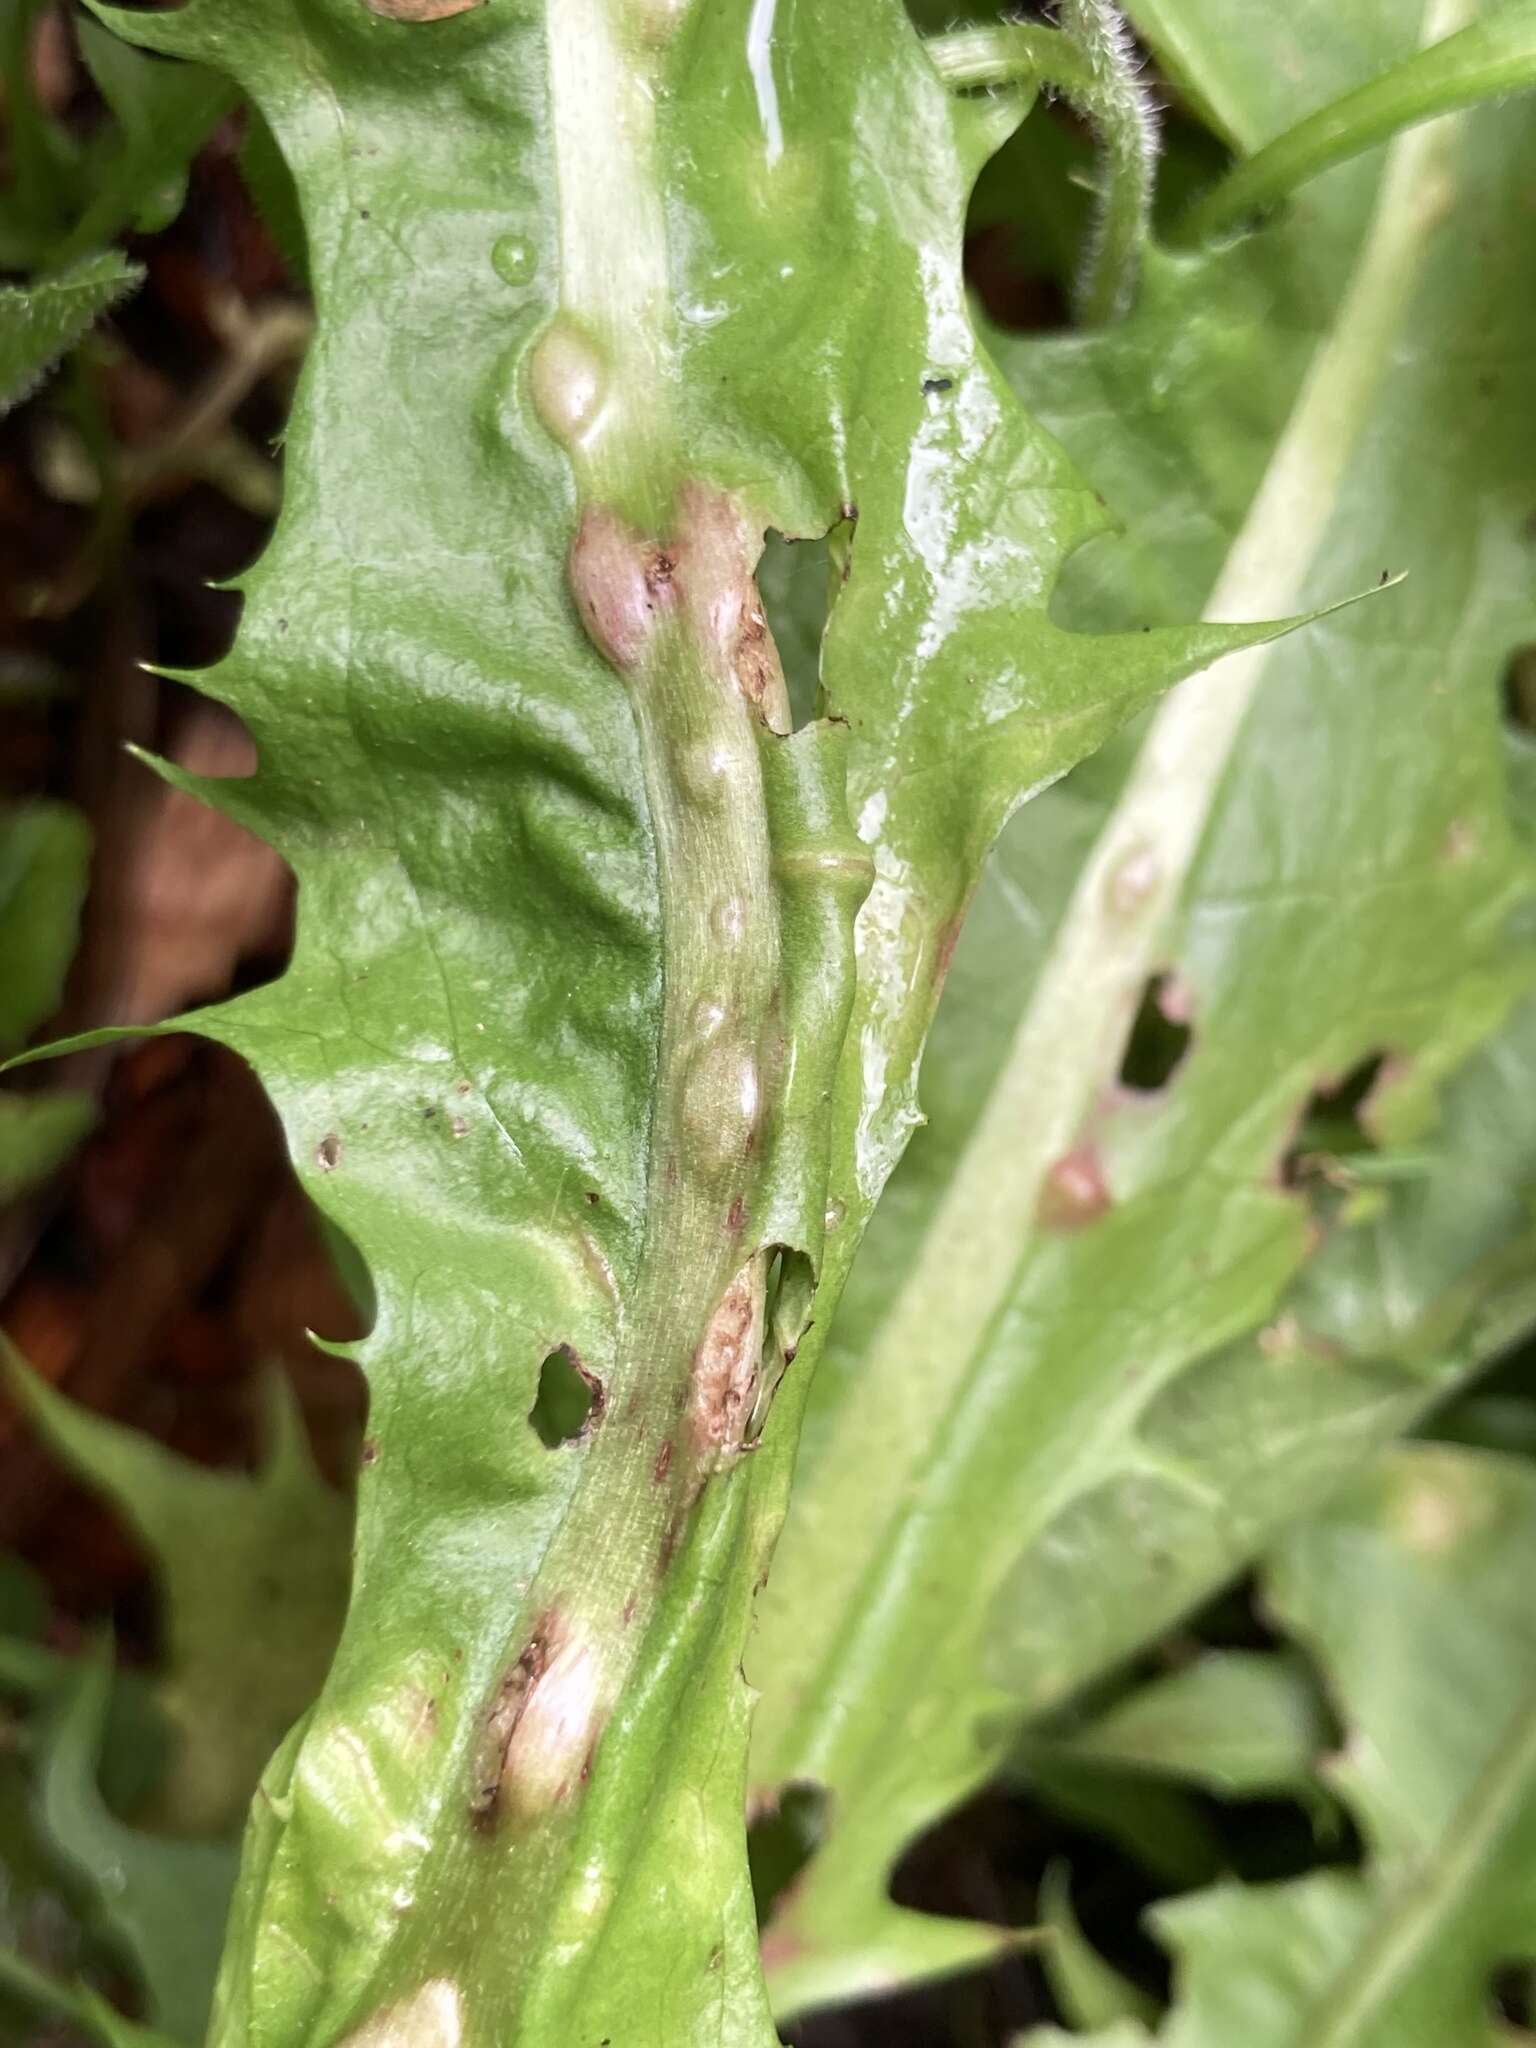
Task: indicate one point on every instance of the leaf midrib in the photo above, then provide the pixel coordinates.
(1071, 1038)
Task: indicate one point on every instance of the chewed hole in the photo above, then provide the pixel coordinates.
(797, 581)
(781, 1841)
(1512, 1993)
(569, 1400)
(1519, 690)
(1332, 1130)
(1160, 1037)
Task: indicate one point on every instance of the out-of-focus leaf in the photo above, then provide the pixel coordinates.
(41, 322)
(163, 113)
(1253, 73)
(1494, 55)
(1240, 1723)
(36, 1133)
(1156, 1822)
(253, 1572)
(23, 1601)
(57, 1930)
(1127, 2034)
(270, 184)
(44, 855)
(1107, 1336)
(1089, 1990)
(1413, 1592)
(163, 1902)
(1488, 1422)
(66, 199)
(44, 859)
(90, 2013)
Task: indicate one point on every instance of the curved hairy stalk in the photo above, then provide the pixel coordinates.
(1091, 62)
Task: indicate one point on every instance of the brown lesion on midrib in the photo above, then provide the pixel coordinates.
(678, 617)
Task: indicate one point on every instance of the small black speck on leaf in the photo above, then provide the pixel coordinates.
(933, 385)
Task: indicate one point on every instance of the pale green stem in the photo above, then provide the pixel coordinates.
(1490, 57)
(1015, 53)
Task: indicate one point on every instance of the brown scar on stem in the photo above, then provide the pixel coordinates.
(736, 1215)
(588, 1378)
(618, 585)
(506, 1711)
(944, 952)
(663, 1463)
(725, 1363)
(622, 581)
(548, 1714)
(1075, 1192)
(420, 10)
(718, 551)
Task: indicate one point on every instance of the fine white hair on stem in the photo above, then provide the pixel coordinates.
(1089, 59)
(1120, 111)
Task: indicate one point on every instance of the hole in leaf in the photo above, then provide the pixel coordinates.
(1159, 1039)
(569, 1399)
(1332, 1130)
(1519, 690)
(1512, 1993)
(781, 1841)
(797, 581)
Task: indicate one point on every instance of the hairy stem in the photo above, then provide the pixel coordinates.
(1090, 61)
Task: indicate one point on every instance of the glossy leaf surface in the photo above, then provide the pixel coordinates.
(1121, 1322)
(577, 1045)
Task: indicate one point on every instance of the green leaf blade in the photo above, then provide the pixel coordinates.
(1173, 1367)
(41, 322)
